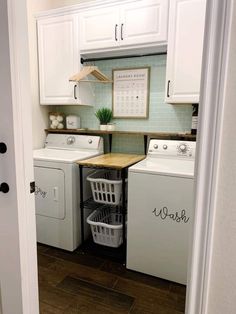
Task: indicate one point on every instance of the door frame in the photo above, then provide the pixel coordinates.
(218, 20)
(19, 279)
(213, 83)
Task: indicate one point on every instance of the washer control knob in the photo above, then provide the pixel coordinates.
(155, 146)
(183, 148)
(90, 141)
(165, 146)
(70, 140)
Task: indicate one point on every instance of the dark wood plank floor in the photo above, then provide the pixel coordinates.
(80, 282)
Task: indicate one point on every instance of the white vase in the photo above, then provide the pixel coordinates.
(110, 127)
(103, 127)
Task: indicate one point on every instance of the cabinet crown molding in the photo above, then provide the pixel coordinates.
(82, 6)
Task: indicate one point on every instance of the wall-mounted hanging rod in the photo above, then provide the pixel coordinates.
(83, 60)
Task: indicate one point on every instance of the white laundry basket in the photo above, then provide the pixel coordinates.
(106, 226)
(106, 187)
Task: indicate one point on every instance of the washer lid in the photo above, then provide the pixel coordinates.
(62, 155)
(165, 166)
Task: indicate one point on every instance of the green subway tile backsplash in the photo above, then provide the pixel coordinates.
(162, 117)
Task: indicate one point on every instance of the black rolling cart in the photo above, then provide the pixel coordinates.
(114, 162)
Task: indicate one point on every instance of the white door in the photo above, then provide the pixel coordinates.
(99, 29)
(59, 59)
(18, 264)
(144, 22)
(185, 46)
(50, 192)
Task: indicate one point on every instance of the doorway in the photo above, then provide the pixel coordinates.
(195, 269)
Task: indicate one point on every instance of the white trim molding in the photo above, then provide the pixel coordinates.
(214, 68)
(76, 8)
(23, 154)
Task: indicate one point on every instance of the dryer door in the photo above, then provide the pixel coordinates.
(50, 192)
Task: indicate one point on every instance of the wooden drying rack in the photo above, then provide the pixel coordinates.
(90, 70)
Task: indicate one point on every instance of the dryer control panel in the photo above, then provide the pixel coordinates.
(74, 142)
(167, 148)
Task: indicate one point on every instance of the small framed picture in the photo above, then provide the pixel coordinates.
(130, 97)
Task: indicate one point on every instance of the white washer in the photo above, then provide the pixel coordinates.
(160, 210)
(57, 192)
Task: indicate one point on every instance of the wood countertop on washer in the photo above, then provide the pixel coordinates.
(112, 160)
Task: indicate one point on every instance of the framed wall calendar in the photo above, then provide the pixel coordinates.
(130, 97)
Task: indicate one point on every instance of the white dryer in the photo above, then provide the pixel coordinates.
(160, 210)
(57, 193)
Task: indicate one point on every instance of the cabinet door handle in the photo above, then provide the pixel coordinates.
(75, 97)
(168, 89)
(121, 32)
(116, 32)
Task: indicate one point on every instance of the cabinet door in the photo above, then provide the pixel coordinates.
(58, 58)
(185, 45)
(99, 28)
(144, 22)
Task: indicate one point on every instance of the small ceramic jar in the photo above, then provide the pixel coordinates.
(72, 122)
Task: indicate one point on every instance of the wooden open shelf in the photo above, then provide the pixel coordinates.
(158, 135)
(146, 135)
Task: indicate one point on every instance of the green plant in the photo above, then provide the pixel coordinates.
(104, 115)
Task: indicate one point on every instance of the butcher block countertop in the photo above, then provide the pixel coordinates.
(112, 160)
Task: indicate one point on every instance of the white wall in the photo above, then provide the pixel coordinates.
(222, 295)
(40, 113)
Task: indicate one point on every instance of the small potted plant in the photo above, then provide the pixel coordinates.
(104, 116)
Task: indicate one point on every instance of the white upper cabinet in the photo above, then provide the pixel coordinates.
(140, 23)
(144, 22)
(59, 59)
(99, 28)
(185, 46)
